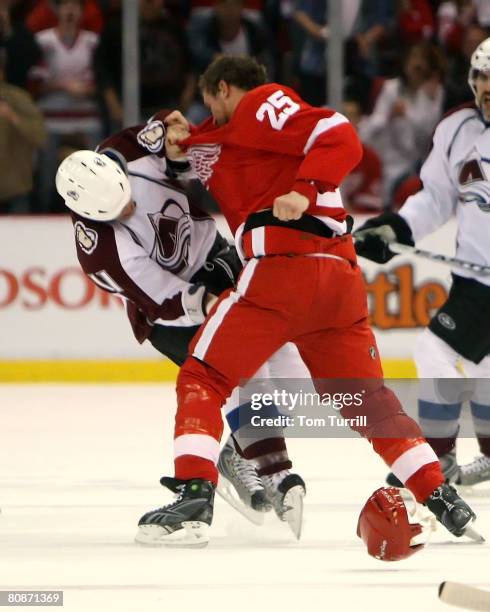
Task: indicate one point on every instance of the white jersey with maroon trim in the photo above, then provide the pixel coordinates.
(456, 178)
(150, 257)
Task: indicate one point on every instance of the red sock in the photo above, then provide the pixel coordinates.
(425, 481)
(192, 466)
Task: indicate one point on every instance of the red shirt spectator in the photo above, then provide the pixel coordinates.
(43, 16)
(362, 188)
(410, 186)
(415, 21)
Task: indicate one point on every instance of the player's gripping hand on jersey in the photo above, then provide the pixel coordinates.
(175, 133)
(373, 239)
(176, 118)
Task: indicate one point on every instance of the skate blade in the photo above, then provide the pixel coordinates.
(193, 535)
(472, 534)
(227, 492)
(293, 501)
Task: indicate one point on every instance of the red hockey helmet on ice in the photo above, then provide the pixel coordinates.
(384, 526)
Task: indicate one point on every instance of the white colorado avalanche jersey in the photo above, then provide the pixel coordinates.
(456, 178)
(150, 257)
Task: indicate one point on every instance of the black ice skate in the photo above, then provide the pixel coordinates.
(240, 485)
(184, 522)
(449, 467)
(452, 512)
(286, 492)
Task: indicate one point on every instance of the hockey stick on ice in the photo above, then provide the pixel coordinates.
(404, 249)
(464, 596)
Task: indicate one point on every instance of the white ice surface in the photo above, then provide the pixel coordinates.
(80, 464)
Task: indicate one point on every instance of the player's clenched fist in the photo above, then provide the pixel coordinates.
(175, 134)
(290, 207)
(176, 118)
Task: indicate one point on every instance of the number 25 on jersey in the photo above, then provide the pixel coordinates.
(278, 101)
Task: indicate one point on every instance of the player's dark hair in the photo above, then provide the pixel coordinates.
(241, 71)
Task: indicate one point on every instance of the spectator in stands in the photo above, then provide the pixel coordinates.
(374, 26)
(311, 16)
(21, 133)
(19, 47)
(362, 188)
(481, 12)
(457, 88)
(408, 187)
(415, 21)
(44, 15)
(65, 84)
(224, 28)
(254, 9)
(449, 25)
(406, 113)
(111, 8)
(165, 64)
(19, 9)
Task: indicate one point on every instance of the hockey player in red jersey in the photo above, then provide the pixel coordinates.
(274, 164)
(141, 235)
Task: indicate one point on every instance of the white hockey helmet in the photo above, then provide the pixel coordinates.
(93, 185)
(480, 62)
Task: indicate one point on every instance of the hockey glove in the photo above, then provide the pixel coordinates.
(372, 239)
(197, 303)
(221, 271)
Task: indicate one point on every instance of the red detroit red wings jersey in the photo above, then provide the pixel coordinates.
(274, 143)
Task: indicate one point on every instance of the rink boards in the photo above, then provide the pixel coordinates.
(55, 324)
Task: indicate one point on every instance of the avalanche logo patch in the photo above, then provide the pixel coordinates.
(172, 226)
(446, 321)
(474, 179)
(86, 238)
(203, 158)
(152, 136)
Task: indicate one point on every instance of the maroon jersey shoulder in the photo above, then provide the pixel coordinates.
(455, 109)
(139, 140)
(95, 243)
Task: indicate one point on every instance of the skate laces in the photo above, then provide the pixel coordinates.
(178, 495)
(245, 471)
(479, 463)
(272, 481)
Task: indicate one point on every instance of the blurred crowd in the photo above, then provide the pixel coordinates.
(406, 64)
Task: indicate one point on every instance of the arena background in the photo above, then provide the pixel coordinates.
(58, 326)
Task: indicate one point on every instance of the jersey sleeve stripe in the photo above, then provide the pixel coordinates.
(330, 199)
(323, 126)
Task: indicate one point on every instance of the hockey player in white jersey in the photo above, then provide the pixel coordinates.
(456, 182)
(141, 235)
